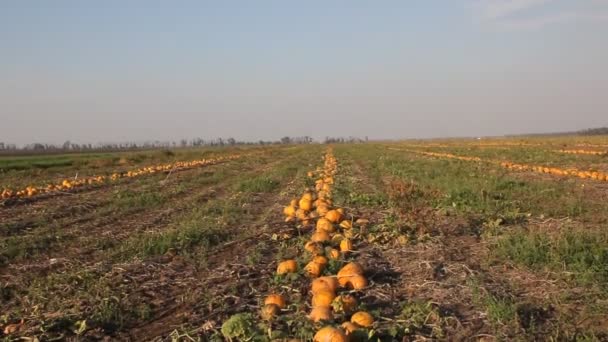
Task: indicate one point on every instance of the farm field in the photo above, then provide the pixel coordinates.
(453, 239)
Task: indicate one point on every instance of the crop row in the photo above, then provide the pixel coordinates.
(75, 183)
(326, 261)
(571, 172)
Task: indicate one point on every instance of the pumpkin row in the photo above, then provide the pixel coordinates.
(595, 175)
(70, 184)
(331, 239)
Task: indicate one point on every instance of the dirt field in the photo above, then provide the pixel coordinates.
(451, 248)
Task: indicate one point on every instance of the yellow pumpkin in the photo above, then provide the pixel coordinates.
(346, 245)
(346, 224)
(287, 266)
(307, 196)
(305, 204)
(362, 319)
(289, 211)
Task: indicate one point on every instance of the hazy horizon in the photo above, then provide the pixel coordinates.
(151, 70)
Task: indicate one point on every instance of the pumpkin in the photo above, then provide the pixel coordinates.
(313, 247)
(349, 327)
(320, 236)
(357, 282)
(326, 225)
(334, 254)
(288, 266)
(289, 211)
(333, 216)
(345, 303)
(307, 196)
(330, 334)
(305, 204)
(319, 259)
(322, 210)
(269, 311)
(293, 203)
(349, 271)
(314, 269)
(275, 299)
(346, 245)
(301, 214)
(324, 284)
(363, 319)
(323, 298)
(346, 224)
(320, 313)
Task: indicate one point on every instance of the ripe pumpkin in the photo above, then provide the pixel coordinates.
(326, 225)
(305, 204)
(313, 247)
(323, 298)
(322, 210)
(269, 311)
(320, 236)
(276, 299)
(314, 269)
(334, 254)
(324, 284)
(301, 214)
(330, 334)
(289, 210)
(346, 224)
(363, 319)
(346, 245)
(333, 216)
(320, 313)
(293, 203)
(287, 266)
(357, 282)
(307, 196)
(345, 303)
(348, 272)
(349, 327)
(319, 259)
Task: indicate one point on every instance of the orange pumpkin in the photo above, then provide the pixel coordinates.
(324, 284)
(320, 236)
(288, 266)
(323, 298)
(314, 269)
(320, 313)
(330, 334)
(362, 319)
(275, 299)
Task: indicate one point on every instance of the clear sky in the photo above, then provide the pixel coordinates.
(101, 71)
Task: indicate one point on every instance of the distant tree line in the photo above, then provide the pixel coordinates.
(68, 146)
(594, 131)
